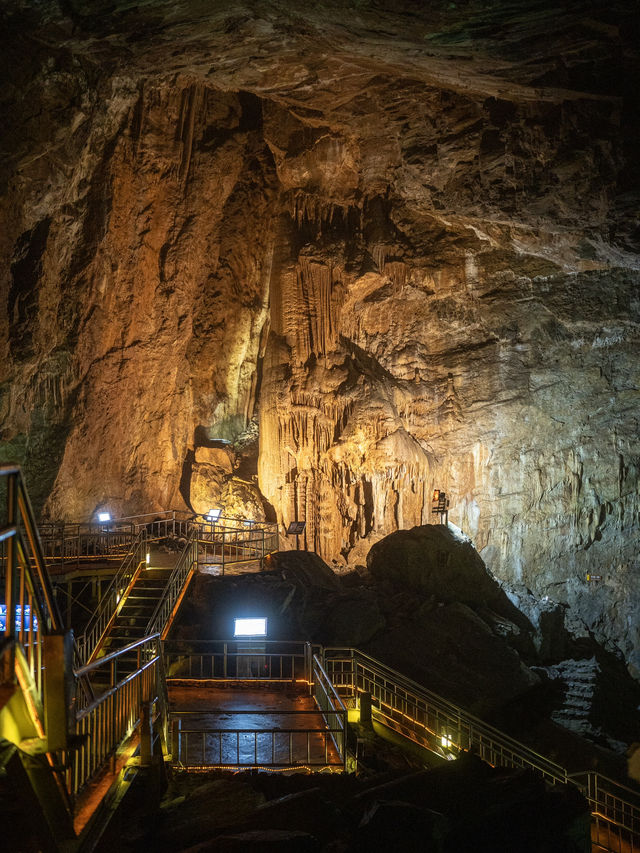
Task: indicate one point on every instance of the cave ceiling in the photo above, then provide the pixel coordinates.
(384, 248)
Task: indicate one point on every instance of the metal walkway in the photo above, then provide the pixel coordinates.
(60, 733)
(62, 723)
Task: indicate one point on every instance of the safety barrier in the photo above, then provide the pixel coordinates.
(89, 643)
(107, 721)
(431, 721)
(30, 606)
(227, 540)
(75, 738)
(175, 588)
(220, 544)
(333, 709)
(311, 746)
(269, 660)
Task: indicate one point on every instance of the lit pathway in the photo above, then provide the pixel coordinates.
(237, 726)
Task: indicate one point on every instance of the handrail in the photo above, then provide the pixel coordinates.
(405, 705)
(26, 586)
(331, 706)
(175, 588)
(100, 723)
(108, 720)
(75, 542)
(457, 714)
(113, 599)
(87, 668)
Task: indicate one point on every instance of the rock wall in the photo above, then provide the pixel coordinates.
(407, 244)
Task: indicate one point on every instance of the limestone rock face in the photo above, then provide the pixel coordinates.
(404, 239)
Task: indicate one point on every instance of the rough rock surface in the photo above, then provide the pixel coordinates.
(402, 236)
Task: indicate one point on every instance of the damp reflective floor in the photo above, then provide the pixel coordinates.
(251, 727)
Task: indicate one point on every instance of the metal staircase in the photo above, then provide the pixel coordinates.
(58, 732)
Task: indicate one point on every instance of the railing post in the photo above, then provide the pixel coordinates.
(11, 578)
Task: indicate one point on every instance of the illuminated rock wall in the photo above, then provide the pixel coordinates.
(406, 244)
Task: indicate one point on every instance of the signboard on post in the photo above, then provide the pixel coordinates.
(440, 505)
(296, 528)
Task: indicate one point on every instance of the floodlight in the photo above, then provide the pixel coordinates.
(213, 515)
(104, 516)
(253, 627)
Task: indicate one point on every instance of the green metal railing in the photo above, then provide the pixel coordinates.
(431, 721)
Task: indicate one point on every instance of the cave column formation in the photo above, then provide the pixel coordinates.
(313, 267)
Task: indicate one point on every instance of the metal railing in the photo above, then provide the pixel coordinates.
(66, 545)
(220, 660)
(228, 540)
(103, 712)
(615, 812)
(175, 588)
(333, 709)
(197, 746)
(113, 599)
(105, 723)
(431, 721)
(221, 544)
(30, 606)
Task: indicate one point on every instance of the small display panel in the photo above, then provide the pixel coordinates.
(255, 627)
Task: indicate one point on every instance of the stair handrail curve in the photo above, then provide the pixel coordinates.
(175, 587)
(106, 721)
(31, 611)
(108, 606)
(616, 803)
(20, 520)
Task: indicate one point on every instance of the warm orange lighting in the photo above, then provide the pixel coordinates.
(436, 495)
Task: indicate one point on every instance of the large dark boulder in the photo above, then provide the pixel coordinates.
(431, 560)
(438, 564)
(303, 568)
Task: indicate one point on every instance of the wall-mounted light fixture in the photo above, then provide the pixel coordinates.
(104, 517)
(213, 515)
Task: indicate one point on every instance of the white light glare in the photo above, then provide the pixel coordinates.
(256, 627)
(213, 514)
(104, 516)
(445, 740)
(148, 558)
